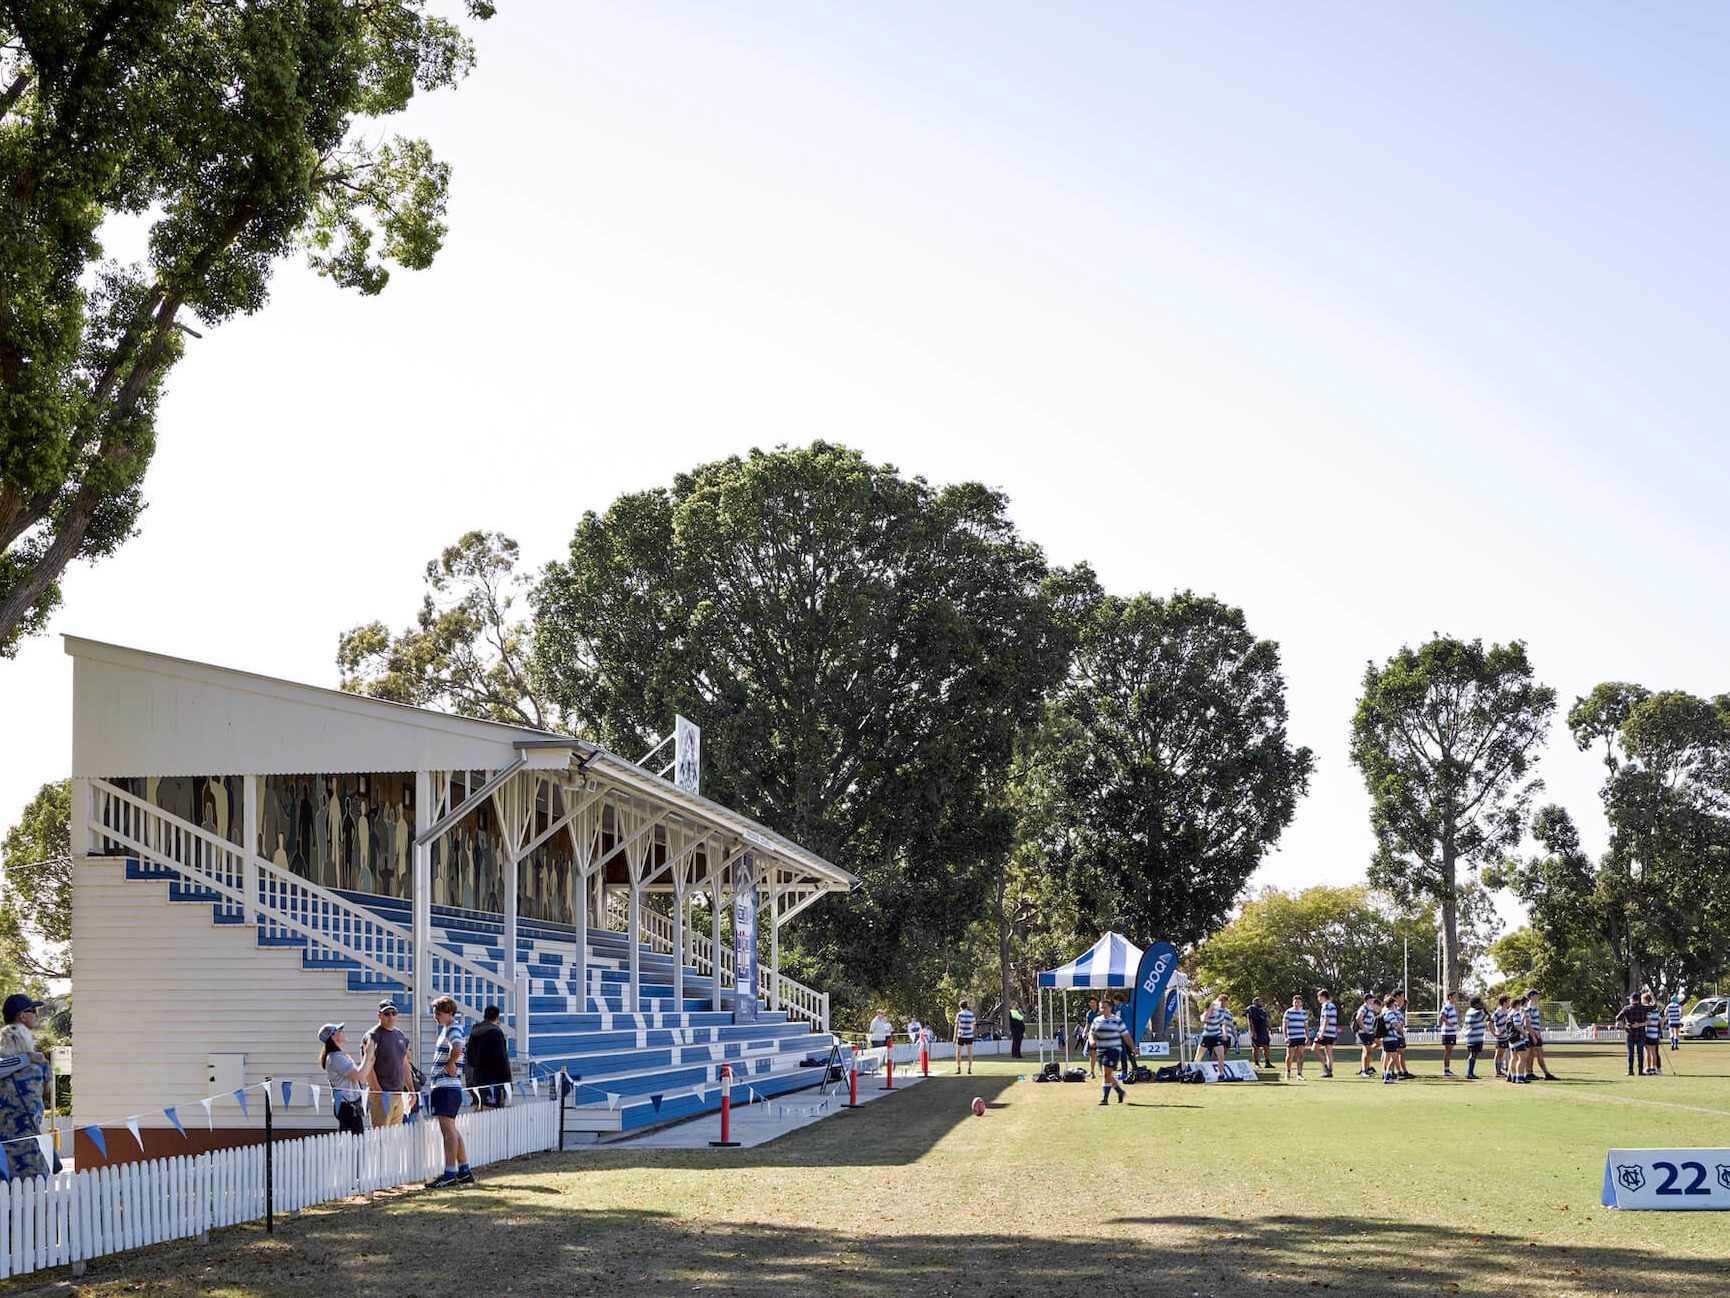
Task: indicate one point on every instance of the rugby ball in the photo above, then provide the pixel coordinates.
(978, 1107)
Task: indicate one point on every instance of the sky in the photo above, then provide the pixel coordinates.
(1375, 321)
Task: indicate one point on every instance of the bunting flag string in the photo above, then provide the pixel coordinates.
(175, 1119)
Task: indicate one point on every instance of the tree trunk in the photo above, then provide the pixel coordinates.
(1450, 924)
(1003, 945)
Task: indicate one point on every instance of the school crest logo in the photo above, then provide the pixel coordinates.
(1631, 1176)
(1724, 1175)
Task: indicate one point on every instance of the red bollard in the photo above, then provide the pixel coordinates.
(726, 1109)
(853, 1085)
(924, 1057)
(888, 1068)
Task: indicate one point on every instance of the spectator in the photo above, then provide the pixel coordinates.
(881, 1033)
(489, 1060)
(347, 1078)
(447, 1094)
(1087, 1034)
(1631, 1018)
(23, 1098)
(390, 1080)
(1017, 1029)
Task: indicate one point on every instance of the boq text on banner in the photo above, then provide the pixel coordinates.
(1158, 963)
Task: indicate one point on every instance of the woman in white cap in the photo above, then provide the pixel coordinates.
(346, 1077)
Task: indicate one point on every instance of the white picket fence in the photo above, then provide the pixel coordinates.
(71, 1217)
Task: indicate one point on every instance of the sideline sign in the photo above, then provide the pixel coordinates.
(1667, 1180)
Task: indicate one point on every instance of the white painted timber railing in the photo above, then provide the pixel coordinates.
(772, 987)
(71, 1217)
(285, 906)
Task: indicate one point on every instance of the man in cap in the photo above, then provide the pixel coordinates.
(390, 1078)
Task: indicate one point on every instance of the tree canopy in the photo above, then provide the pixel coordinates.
(232, 132)
(36, 901)
(1653, 902)
(1170, 769)
(860, 649)
(1445, 736)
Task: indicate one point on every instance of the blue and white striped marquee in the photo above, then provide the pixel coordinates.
(1110, 962)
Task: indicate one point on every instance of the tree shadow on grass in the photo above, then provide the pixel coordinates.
(475, 1242)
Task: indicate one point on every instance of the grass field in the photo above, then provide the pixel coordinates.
(1429, 1187)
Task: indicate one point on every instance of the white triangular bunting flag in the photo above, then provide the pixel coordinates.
(612, 1101)
(697, 1091)
(315, 1095)
(208, 1120)
(132, 1126)
(535, 1087)
(45, 1144)
(508, 1092)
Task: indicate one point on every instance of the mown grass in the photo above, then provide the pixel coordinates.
(1429, 1187)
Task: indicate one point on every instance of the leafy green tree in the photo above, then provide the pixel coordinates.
(1171, 771)
(467, 653)
(234, 131)
(36, 901)
(860, 649)
(1445, 736)
(1651, 904)
(1585, 975)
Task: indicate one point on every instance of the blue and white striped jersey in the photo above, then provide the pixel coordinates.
(1499, 1023)
(963, 1024)
(1295, 1025)
(1475, 1019)
(1365, 1018)
(1108, 1032)
(1329, 1016)
(1673, 1014)
(1393, 1020)
(1534, 1019)
(449, 1047)
(1450, 1018)
(1654, 1024)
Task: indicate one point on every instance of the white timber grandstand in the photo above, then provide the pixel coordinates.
(254, 857)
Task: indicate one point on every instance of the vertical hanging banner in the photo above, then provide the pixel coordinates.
(1158, 963)
(687, 755)
(745, 940)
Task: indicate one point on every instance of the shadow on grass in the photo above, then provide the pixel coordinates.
(472, 1243)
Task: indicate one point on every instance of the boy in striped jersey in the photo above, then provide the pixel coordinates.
(1673, 1019)
(964, 1036)
(1653, 1027)
(1365, 1023)
(1475, 1021)
(1519, 1061)
(1327, 1030)
(1296, 1026)
(1111, 1042)
(1394, 1016)
(1499, 1027)
(1535, 1036)
(1214, 1029)
(1448, 1024)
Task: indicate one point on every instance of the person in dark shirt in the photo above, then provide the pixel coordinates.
(1632, 1019)
(489, 1059)
(1260, 1041)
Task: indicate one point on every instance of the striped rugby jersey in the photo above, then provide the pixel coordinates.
(1218, 1022)
(963, 1024)
(1673, 1014)
(1394, 1019)
(1499, 1023)
(1450, 1018)
(1475, 1027)
(1653, 1024)
(1365, 1018)
(1296, 1024)
(1108, 1032)
(1534, 1019)
(1329, 1016)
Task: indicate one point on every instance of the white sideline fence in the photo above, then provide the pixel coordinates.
(72, 1217)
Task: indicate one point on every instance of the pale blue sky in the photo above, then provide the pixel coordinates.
(1375, 320)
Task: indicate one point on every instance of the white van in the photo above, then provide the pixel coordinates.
(1706, 1019)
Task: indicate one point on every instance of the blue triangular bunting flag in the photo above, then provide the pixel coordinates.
(175, 1119)
(656, 1101)
(287, 1090)
(241, 1096)
(96, 1138)
(5, 1165)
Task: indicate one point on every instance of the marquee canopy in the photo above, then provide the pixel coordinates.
(1110, 962)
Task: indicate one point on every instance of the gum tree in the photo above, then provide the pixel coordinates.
(232, 133)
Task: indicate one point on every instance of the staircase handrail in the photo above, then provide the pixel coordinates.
(807, 1002)
(384, 950)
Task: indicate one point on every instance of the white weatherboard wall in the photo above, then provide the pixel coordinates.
(160, 987)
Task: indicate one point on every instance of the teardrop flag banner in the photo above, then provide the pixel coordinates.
(1158, 963)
